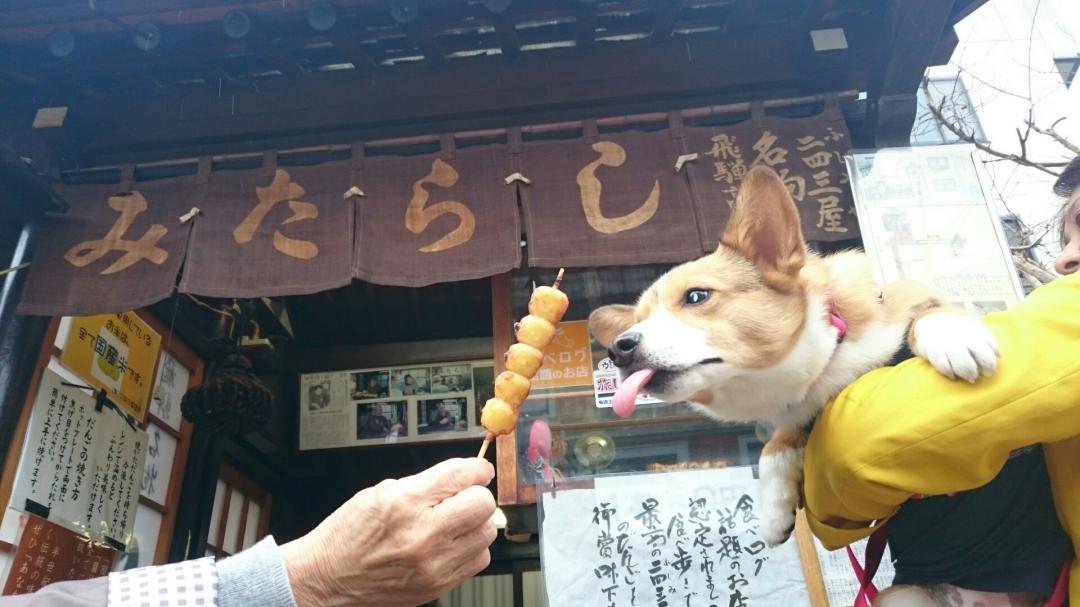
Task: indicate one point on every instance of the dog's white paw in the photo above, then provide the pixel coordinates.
(777, 519)
(781, 477)
(959, 347)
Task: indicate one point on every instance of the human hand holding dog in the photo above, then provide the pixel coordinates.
(400, 543)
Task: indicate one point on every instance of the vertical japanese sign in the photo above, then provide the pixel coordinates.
(668, 539)
(115, 353)
(568, 359)
(807, 154)
(47, 553)
(82, 468)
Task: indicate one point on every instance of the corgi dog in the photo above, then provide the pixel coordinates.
(764, 330)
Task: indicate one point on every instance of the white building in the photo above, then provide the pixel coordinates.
(1015, 59)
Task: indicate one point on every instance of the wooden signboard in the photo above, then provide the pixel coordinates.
(47, 553)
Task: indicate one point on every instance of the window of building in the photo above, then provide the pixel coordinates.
(240, 516)
(950, 97)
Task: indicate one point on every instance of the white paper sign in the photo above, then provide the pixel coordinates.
(82, 465)
(606, 382)
(157, 471)
(172, 383)
(665, 539)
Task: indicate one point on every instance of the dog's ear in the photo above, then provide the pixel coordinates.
(764, 226)
(609, 322)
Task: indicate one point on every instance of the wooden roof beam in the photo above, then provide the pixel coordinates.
(422, 33)
(353, 51)
(667, 15)
(585, 16)
(913, 29)
(506, 33)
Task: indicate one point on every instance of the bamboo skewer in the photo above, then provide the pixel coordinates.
(490, 437)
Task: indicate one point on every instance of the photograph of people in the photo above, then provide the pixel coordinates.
(443, 415)
(319, 396)
(371, 384)
(381, 420)
(408, 382)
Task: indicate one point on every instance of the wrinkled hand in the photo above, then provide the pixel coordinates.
(400, 543)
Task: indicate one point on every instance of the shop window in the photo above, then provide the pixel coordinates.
(240, 516)
(587, 437)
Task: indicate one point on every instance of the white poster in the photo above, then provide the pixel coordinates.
(925, 216)
(80, 466)
(676, 538)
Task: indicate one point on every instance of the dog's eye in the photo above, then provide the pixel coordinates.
(695, 296)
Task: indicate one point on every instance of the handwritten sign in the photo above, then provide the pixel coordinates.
(82, 468)
(157, 469)
(667, 539)
(115, 353)
(568, 359)
(47, 553)
(172, 383)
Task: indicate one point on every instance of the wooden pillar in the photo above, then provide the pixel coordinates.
(196, 495)
(20, 338)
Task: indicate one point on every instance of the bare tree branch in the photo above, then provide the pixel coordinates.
(970, 137)
(1032, 271)
(1056, 136)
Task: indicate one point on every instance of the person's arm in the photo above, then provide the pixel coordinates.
(904, 430)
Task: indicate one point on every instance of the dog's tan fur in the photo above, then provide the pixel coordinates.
(762, 346)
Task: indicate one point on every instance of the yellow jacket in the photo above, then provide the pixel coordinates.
(904, 430)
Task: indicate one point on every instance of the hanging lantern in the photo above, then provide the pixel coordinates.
(322, 16)
(234, 401)
(146, 36)
(61, 43)
(404, 11)
(497, 6)
(236, 24)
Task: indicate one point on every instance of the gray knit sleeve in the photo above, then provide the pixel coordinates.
(256, 576)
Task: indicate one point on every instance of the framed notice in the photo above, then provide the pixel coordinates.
(925, 215)
(394, 404)
(115, 353)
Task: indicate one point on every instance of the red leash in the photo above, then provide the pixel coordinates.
(875, 550)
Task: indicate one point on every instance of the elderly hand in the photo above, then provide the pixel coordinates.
(400, 543)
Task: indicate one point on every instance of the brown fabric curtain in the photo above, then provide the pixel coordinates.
(280, 230)
(436, 217)
(607, 199)
(806, 152)
(119, 247)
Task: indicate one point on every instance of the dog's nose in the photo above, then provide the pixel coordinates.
(622, 351)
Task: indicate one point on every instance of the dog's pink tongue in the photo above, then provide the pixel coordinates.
(626, 396)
